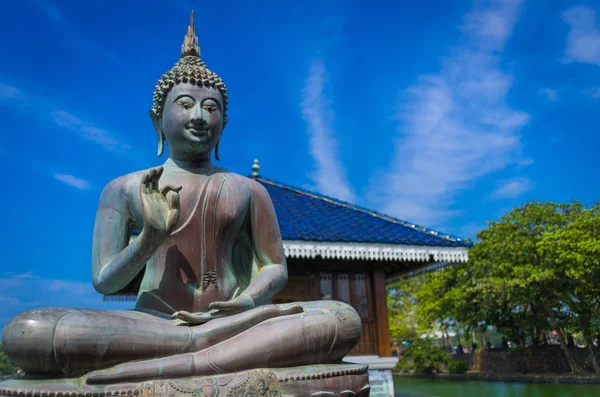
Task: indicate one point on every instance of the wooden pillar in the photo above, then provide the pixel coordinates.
(383, 330)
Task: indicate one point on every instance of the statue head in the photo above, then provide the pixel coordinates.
(190, 103)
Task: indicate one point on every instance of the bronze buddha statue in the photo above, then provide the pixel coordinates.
(205, 266)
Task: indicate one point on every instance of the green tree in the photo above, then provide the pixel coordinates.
(401, 303)
(520, 289)
(534, 271)
(6, 367)
(575, 252)
(426, 357)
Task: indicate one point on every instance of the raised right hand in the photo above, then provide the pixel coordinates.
(159, 216)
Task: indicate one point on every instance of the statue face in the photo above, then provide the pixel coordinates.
(192, 118)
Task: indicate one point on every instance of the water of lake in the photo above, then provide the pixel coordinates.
(438, 388)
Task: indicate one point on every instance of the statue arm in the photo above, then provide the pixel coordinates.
(115, 262)
(268, 248)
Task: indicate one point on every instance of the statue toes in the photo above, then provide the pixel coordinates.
(99, 377)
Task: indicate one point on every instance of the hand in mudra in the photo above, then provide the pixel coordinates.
(218, 309)
(159, 216)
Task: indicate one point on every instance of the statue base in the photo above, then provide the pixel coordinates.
(331, 380)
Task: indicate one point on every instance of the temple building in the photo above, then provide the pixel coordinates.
(340, 251)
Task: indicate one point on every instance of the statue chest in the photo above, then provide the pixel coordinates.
(197, 255)
(210, 218)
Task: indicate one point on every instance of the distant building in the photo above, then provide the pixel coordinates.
(336, 250)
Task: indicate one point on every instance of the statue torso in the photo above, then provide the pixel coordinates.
(208, 256)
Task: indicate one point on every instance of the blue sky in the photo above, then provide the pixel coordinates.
(443, 113)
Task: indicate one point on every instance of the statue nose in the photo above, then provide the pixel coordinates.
(197, 113)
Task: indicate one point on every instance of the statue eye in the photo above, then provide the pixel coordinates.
(210, 108)
(185, 105)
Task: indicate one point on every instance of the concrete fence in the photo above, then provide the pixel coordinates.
(539, 359)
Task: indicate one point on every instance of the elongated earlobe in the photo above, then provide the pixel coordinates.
(161, 144)
(217, 151)
(159, 134)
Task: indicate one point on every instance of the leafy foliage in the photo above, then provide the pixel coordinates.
(401, 309)
(403, 366)
(535, 271)
(6, 367)
(426, 358)
(457, 367)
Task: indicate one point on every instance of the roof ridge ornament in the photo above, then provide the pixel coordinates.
(255, 169)
(190, 46)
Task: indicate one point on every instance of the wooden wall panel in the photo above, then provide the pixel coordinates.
(297, 289)
(367, 346)
(383, 332)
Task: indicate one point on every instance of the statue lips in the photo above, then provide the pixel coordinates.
(199, 133)
(199, 130)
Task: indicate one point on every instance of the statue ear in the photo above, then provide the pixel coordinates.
(217, 147)
(217, 150)
(159, 134)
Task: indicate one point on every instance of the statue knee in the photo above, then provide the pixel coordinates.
(347, 326)
(28, 340)
(349, 322)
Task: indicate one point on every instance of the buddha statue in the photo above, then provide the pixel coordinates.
(204, 267)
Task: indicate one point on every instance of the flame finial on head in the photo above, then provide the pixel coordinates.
(190, 45)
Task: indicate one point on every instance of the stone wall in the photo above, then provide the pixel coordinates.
(541, 359)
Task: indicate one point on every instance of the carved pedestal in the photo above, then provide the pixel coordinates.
(343, 380)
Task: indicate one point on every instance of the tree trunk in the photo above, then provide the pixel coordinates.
(590, 347)
(570, 340)
(565, 348)
(536, 336)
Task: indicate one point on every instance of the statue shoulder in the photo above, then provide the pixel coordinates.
(256, 189)
(120, 189)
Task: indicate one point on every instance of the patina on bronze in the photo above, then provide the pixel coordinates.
(205, 266)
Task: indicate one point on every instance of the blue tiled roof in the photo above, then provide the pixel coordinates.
(310, 217)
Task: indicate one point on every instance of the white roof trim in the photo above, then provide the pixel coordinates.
(388, 252)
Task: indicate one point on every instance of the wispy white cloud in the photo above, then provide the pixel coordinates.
(551, 94)
(73, 34)
(583, 40)
(512, 188)
(525, 162)
(13, 96)
(329, 175)
(73, 181)
(456, 126)
(9, 91)
(21, 292)
(46, 170)
(489, 27)
(89, 131)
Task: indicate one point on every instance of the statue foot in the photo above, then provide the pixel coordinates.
(178, 366)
